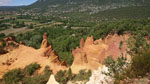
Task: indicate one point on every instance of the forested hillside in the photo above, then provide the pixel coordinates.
(91, 10)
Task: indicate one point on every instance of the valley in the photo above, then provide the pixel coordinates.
(75, 42)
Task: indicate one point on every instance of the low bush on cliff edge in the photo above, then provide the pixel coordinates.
(140, 56)
(61, 77)
(116, 68)
(139, 65)
(38, 78)
(64, 76)
(83, 75)
(24, 76)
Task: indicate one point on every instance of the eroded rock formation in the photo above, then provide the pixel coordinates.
(45, 41)
(91, 53)
(49, 52)
(24, 55)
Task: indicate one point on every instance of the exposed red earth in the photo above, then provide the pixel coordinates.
(89, 55)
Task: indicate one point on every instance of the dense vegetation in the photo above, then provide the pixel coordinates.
(137, 67)
(64, 76)
(75, 3)
(23, 76)
(64, 40)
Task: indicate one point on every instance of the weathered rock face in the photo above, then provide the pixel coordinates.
(52, 80)
(45, 41)
(49, 52)
(24, 55)
(82, 43)
(91, 54)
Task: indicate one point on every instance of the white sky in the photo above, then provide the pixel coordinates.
(4, 2)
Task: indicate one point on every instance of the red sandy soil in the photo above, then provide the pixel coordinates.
(91, 54)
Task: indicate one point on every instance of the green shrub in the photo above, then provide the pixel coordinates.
(67, 57)
(140, 63)
(70, 74)
(3, 44)
(108, 61)
(19, 25)
(30, 69)
(47, 70)
(13, 77)
(140, 55)
(83, 75)
(2, 36)
(116, 68)
(26, 76)
(64, 76)
(36, 79)
(30, 26)
(61, 77)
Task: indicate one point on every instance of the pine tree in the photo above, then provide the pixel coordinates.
(69, 74)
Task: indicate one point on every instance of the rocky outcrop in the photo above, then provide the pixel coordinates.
(52, 80)
(49, 52)
(91, 53)
(24, 55)
(82, 43)
(45, 41)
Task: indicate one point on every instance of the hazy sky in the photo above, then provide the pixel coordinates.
(15, 2)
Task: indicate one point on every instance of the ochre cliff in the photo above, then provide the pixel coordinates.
(91, 54)
(24, 55)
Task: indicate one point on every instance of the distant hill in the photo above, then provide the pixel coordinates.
(9, 8)
(91, 6)
(87, 9)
